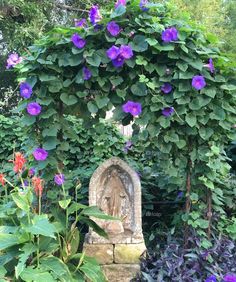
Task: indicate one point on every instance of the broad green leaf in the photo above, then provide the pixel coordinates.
(46, 77)
(93, 272)
(50, 143)
(94, 226)
(229, 87)
(119, 11)
(57, 267)
(151, 41)
(96, 212)
(8, 240)
(94, 60)
(41, 226)
(139, 43)
(27, 250)
(92, 107)
(64, 203)
(101, 101)
(28, 120)
(22, 200)
(139, 89)
(31, 274)
(68, 99)
(191, 120)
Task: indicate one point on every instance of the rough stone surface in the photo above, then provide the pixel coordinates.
(128, 253)
(115, 188)
(104, 253)
(121, 272)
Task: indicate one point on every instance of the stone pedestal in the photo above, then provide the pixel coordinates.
(115, 188)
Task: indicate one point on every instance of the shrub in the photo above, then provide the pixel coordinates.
(173, 262)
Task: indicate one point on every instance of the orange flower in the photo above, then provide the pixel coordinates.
(2, 180)
(38, 185)
(19, 162)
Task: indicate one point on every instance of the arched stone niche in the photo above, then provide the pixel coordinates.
(115, 188)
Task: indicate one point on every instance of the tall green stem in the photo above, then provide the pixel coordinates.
(38, 239)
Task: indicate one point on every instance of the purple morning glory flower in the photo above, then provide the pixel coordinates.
(26, 183)
(118, 62)
(86, 73)
(113, 52)
(120, 2)
(166, 88)
(80, 23)
(13, 60)
(94, 15)
(126, 51)
(25, 90)
(180, 195)
(34, 109)
(127, 146)
(78, 41)
(170, 34)
(210, 66)
(168, 111)
(40, 154)
(198, 82)
(113, 28)
(32, 171)
(59, 179)
(230, 278)
(134, 108)
(143, 4)
(211, 278)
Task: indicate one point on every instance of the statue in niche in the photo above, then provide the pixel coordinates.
(115, 201)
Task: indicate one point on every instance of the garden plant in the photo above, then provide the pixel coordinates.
(152, 69)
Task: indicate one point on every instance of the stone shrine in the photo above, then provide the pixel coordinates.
(115, 188)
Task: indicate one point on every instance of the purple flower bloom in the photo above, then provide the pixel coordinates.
(94, 15)
(86, 73)
(113, 28)
(26, 183)
(13, 60)
(133, 108)
(168, 111)
(170, 34)
(32, 171)
(113, 52)
(78, 41)
(118, 62)
(180, 195)
(59, 179)
(126, 51)
(143, 4)
(166, 88)
(198, 82)
(230, 278)
(34, 109)
(25, 90)
(120, 2)
(211, 278)
(127, 146)
(210, 66)
(80, 23)
(40, 154)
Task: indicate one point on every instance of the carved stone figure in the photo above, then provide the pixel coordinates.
(116, 202)
(115, 188)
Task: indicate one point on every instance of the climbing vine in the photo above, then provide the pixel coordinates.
(154, 70)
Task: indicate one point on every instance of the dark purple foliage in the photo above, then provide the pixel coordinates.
(175, 263)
